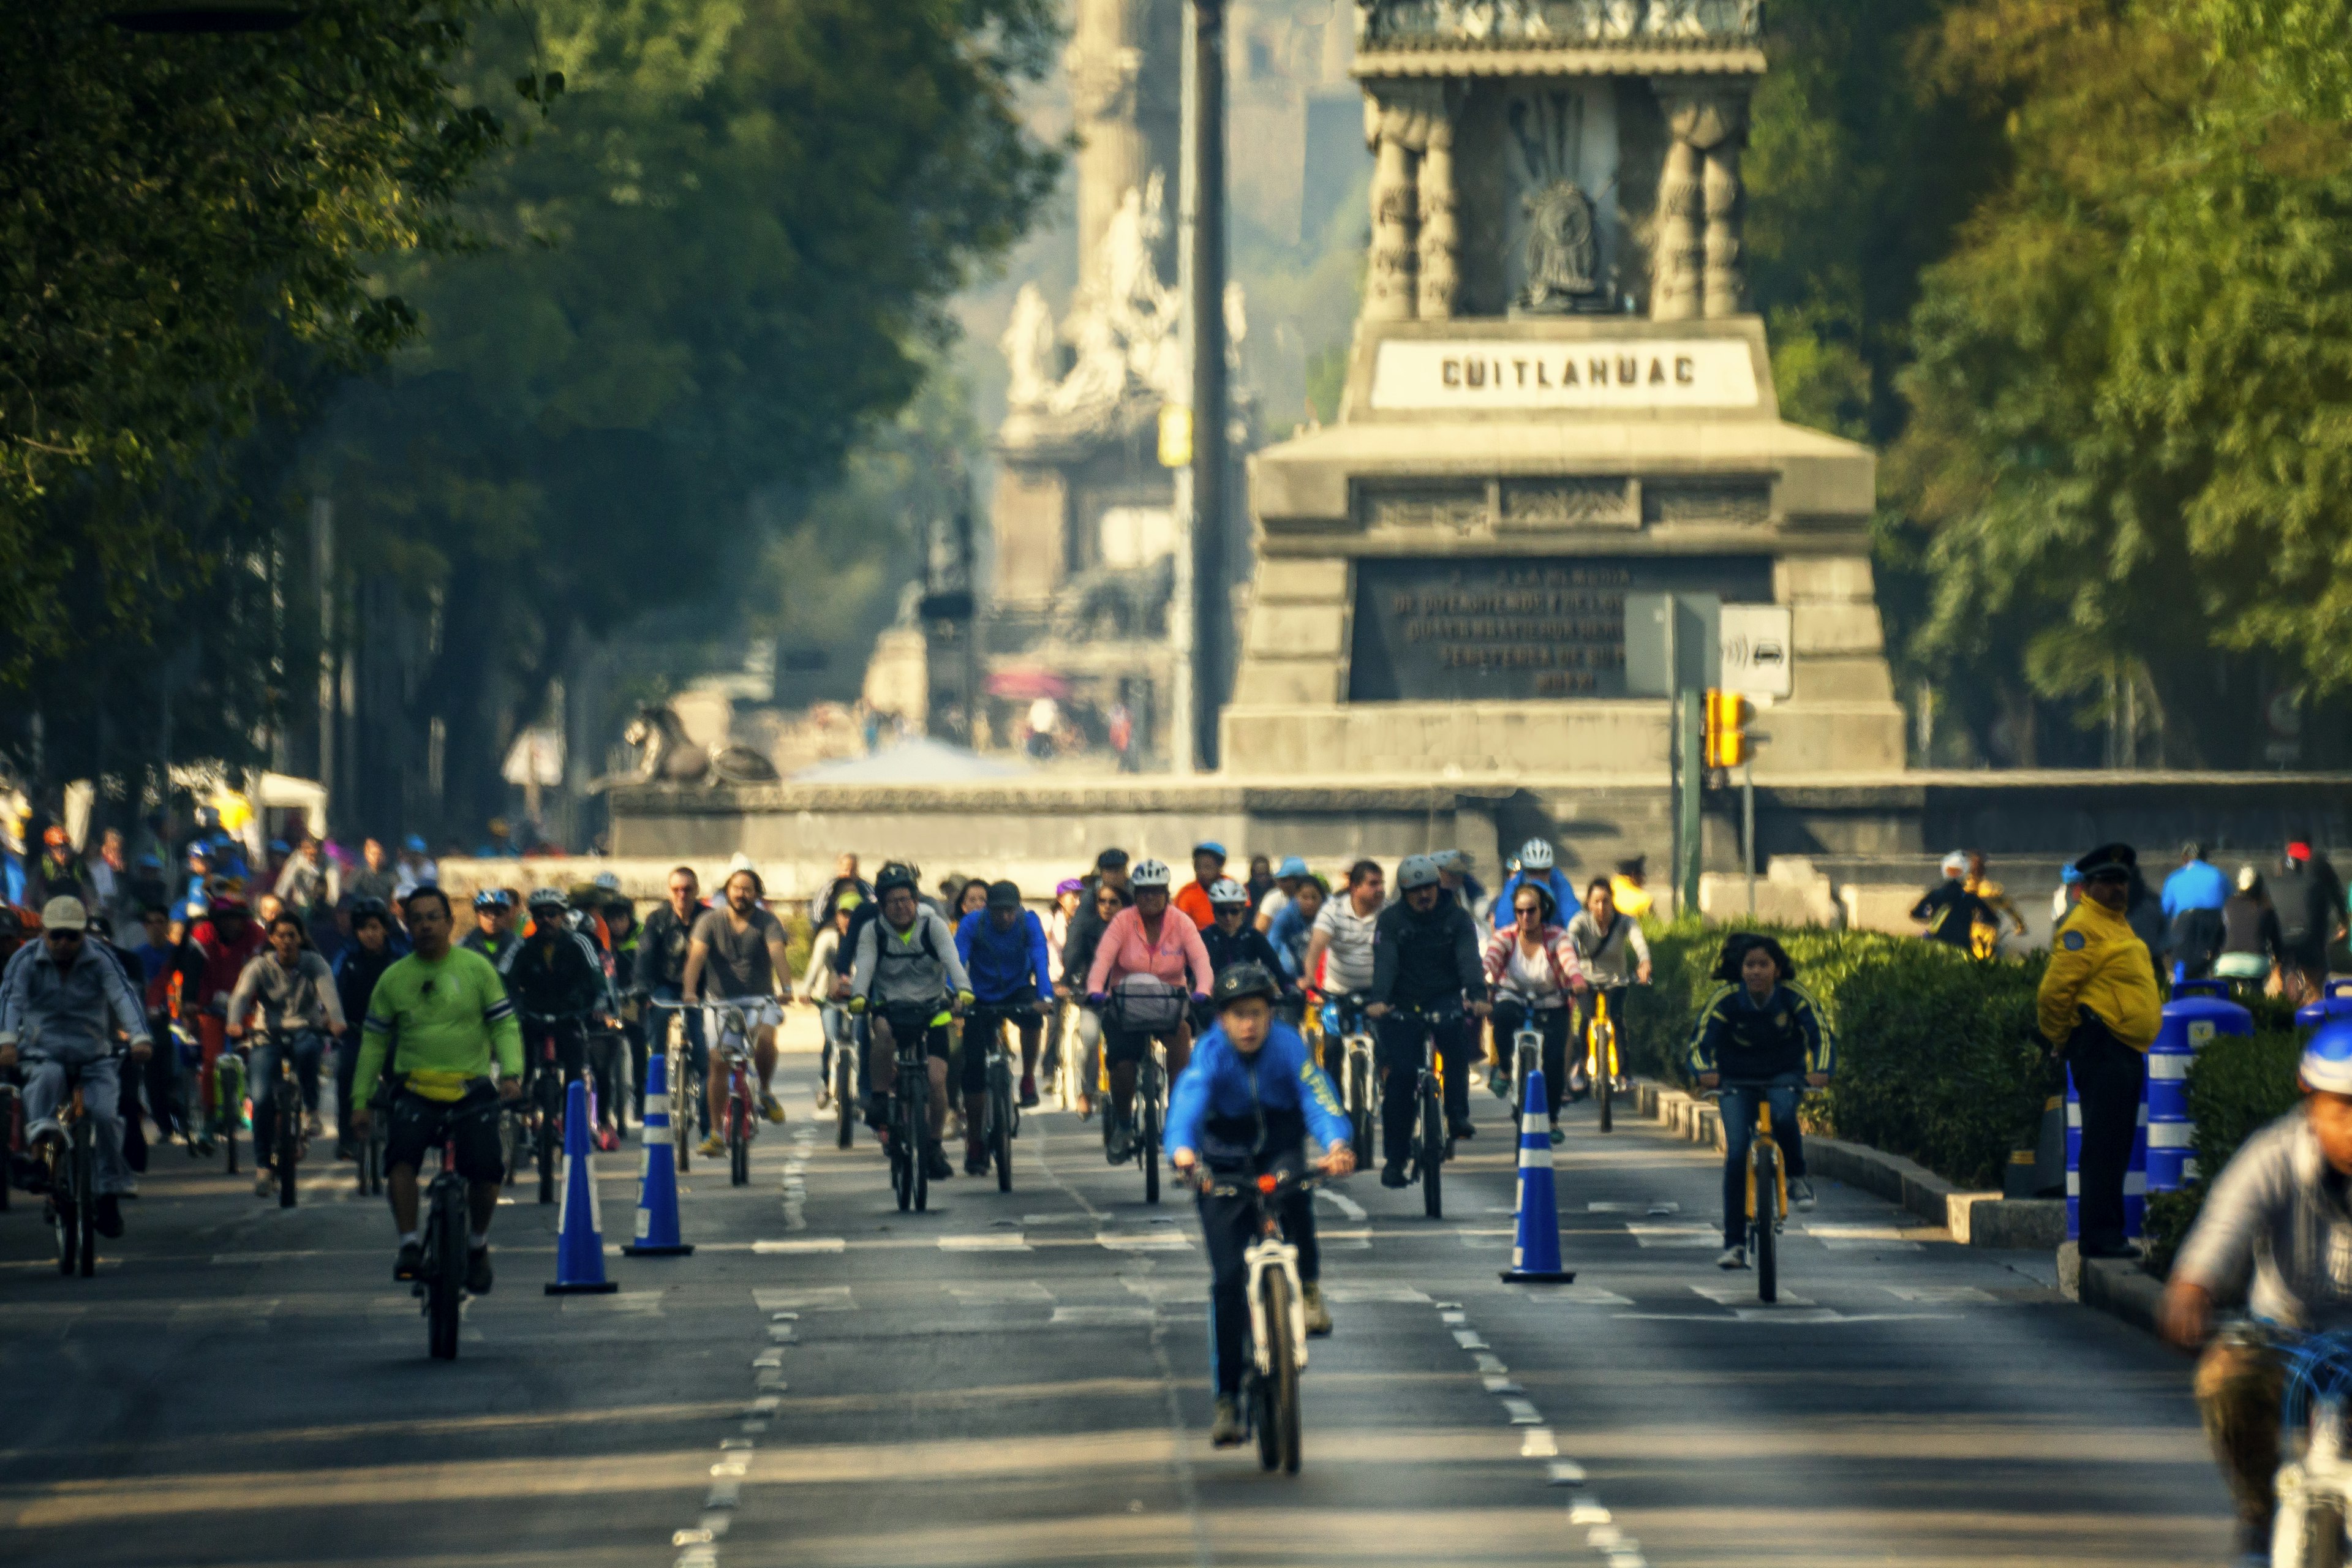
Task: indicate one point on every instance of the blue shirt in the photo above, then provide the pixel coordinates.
(1004, 964)
(2199, 885)
(1231, 1109)
(1290, 933)
(1564, 903)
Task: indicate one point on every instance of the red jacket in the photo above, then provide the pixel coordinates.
(1193, 899)
(223, 961)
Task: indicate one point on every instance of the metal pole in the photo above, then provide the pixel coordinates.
(1748, 826)
(1693, 729)
(1203, 190)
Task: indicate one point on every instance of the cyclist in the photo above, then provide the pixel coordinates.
(1106, 899)
(556, 975)
(437, 1022)
(291, 985)
(621, 934)
(493, 935)
(1144, 943)
(357, 968)
(1532, 967)
(1276, 899)
(1611, 951)
(1950, 909)
(1759, 1027)
(816, 988)
(1002, 946)
(1232, 938)
(1424, 953)
(1294, 927)
(63, 1004)
(225, 942)
(1339, 948)
(737, 952)
(2277, 1212)
(661, 946)
(1193, 898)
(1244, 1111)
(1535, 864)
(907, 957)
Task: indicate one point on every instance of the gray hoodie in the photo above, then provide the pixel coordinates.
(917, 965)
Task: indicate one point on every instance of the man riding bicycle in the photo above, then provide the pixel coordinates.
(738, 952)
(667, 934)
(61, 1005)
(293, 992)
(1424, 956)
(1004, 951)
(1244, 1109)
(557, 975)
(1758, 1029)
(908, 974)
(225, 942)
(493, 935)
(438, 1021)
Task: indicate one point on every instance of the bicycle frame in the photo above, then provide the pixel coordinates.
(1761, 1149)
(2314, 1490)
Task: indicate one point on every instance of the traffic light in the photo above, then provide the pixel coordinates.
(1728, 742)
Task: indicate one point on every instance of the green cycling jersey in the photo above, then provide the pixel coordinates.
(439, 1024)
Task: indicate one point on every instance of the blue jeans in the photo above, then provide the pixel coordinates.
(47, 1085)
(309, 1050)
(1739, 1131)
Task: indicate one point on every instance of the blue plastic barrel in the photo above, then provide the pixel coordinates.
(2200, 1009)
(2338, 1001)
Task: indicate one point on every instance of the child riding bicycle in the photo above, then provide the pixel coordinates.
(1759, 1037)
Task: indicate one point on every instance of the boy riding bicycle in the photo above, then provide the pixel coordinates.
(1245, 1107)
(1759, 1037)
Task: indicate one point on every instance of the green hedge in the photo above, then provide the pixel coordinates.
(1939, 1059)
(2238, 1085)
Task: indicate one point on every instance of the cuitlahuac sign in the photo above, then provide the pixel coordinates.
(1556, 400)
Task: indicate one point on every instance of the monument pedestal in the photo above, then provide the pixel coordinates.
(1442, 576)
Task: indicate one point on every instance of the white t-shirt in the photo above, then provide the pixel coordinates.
(1531, 976)
(1270, 906)
(1348, 966)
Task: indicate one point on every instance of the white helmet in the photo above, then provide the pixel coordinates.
(548, 898)
(1535, 855)
(1225, 890)
(1148, 874)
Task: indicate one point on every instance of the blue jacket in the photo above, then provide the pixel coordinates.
(1004, 964)
(1236, 1110)
(2199, 885)
(1563, 898)
(1291, 932)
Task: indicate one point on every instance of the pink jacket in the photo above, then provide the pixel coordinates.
(1124, 951)
(1566, 969)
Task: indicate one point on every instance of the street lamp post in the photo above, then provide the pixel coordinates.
(1202, 214)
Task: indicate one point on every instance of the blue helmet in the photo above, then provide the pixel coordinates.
(2327, 1059)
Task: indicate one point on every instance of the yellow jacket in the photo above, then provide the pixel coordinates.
(2098, 961)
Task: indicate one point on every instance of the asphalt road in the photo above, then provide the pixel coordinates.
(1021, 1378)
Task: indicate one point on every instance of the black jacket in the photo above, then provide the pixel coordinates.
(556, 976)
(1248, 946)
(1085, 934)
(356, 972)
(662, 941)
(1420, 959)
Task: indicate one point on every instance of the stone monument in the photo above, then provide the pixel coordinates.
(1082, 513)
(1556, 400)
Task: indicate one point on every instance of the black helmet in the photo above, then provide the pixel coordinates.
(1003, 896)
(1240, 980)
(894, 874)
(371, 909)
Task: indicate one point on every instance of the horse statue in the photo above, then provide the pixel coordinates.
(665, 756)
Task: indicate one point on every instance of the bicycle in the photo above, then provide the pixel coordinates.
(848, 1051)
(288, 1144)
(1600, 1043)
(441, 1269)
(685, 1081)
(1151, 1011)
(910, 1121)
(732, 1029)
(68, 1163)
(547, 1080)
(1359, 1077)
(372, 1149)
(1433, 1143)
(2314, 1491)
(226, 1112)
(1766, 1189)
(1002, 1124)
(1278, 1316)
(608, 1057)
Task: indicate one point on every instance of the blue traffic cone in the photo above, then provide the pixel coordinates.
(1535, 1253)
(580, 1244)
(658, 1174)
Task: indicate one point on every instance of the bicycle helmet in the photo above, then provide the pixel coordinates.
(607, 882)
(895, 876)
(1225, 890)
(2326, 1063)
(492, 898)
(1209, 847)
(1148, 874)
(548, 898)
(1004, 895)
(1956, 864)
(1453, 860)
(1416, 872)
(1535, 855)
(1238, 980)
(370, 909)
(1292, 865)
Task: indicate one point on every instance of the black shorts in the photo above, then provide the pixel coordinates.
(935, 1036)
(418, 1125)
(983, 1021)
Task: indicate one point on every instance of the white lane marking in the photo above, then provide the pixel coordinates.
(1566, 1473)
(1737, 1295)
(1537, 1443)
(1490, 1364)
(1343, 1203)
(1009, 1293)
(1675, 1235)
(1009, 1242)
(1451, 1318)
(1839, 1245)
(1585, 1508)
(1812, 1316)
(1151, 1241)
(802, 1244)
(1390, 1295)
(1101, 1317)
(1942, 1295)
(1522, 1413)
(1578, 1295)
(823, 1299)
(1504, 1385)
(1468, 1339)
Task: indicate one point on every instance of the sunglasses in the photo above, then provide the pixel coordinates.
(63, 935)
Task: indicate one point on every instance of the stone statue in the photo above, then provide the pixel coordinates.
(665, 756)
(1561, 255)
(1123, 325)
(1029, 350)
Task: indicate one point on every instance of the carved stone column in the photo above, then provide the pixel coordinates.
(1390, 286)
(1700, 201)
(1415, 264)
(1441, 235)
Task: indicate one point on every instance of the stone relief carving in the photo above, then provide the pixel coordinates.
(1456, 508)
(1706, 501)
(1029, 350)
(1556, 23)
(1562, 255)
(1122, 327)
(1567, 503)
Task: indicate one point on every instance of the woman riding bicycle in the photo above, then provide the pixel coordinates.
(1145, 952)
(1533, 970)
(1612, 952)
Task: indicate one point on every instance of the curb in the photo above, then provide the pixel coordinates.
(2115, 1286)
(1974, 1218)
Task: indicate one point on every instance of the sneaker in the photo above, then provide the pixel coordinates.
(1500, 1085)
(1733, 1258)
(346, 1149)
(825, 1092)
(710, 1148)
(311, 1126)
(1119, 1147)
(935, 1163)
(1462, 1130)
(1318, 1316)
(479, 1278)
(1392, 1175)
(1801, 1195)
(107, 1215)
(1225, 1431)
(1558, 1137)
(771, 1108)
(265, 1183)
(409, 1264)
(1028, 1090)
(607, 1139)
(975, 1160)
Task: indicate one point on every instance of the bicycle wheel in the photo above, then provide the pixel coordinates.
(739, 1139)
(85, 1185)
(1762, 1230)
(682, 1101)
(288, 1139)
(1433, 1155)
(1282, 1376)
(902, 1161)
(1000, 1129)
(1602, 1051)
(545, 1134)
(844, 1091)
(1360, 1108)
(1147, 1142)
(445, 1253)
(229, 1103)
